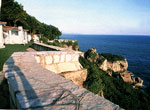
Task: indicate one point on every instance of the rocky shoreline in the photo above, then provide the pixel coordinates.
(114, 67)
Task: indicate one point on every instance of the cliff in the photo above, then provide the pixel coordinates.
(117, 66)
(113, 65)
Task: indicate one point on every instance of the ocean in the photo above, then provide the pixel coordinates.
(136, 49)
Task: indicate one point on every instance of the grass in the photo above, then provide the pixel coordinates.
(6, 52)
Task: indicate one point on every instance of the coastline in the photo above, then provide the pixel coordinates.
(135, 49)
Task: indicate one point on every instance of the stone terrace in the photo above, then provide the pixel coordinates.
(32, 86)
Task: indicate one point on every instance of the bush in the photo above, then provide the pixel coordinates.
(69, 43)
(75, 44)
(112, 58)
(115, 90)
(43, 39)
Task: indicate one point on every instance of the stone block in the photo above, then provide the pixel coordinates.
(78, 77)
(56, 58)
(48, 60)
(63, 67)
(62, 59)
(38, 59)
(68, 57)
(75, 57)
(78, 65)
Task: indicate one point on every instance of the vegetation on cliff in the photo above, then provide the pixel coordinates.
(112, 58)
(13, 13)
(64, 43)
(114, 89)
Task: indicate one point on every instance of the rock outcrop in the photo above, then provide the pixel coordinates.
(117, 66)
(135, 81)
(78, 77)
(127, 77)
(104, 64)
(92, 55)
(138, 82)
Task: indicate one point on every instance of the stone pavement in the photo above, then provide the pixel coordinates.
(33, 87)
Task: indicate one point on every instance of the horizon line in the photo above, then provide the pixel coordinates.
(106, 34)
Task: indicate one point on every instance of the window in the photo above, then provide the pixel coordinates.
(15, 33)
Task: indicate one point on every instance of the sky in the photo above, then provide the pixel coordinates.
(125, 17)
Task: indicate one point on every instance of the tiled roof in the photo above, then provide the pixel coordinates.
(25, 29)
(12, 28)
(1, 22)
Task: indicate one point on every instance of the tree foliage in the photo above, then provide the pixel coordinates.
(115, 90)
(13, 13)
(112, 58)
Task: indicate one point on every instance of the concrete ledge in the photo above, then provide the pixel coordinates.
(33, 87)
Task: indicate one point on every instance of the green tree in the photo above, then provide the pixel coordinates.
(12, 12)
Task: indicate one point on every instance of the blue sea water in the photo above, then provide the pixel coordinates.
(136, 49)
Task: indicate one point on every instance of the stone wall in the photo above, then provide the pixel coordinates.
(59, 62)
(63, 62)
(33, 87)
(45, 47)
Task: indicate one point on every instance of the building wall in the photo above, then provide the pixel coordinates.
(18, 38)
(29, 37)
(25, 37)
(1, 37)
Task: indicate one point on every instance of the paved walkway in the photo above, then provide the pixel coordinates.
(32, 86)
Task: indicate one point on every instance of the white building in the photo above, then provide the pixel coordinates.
(34, 37)
(15, 35)
(12, 35)
(1, 34)
(29, 37)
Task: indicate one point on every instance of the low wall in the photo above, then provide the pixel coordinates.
(45, 47)
(63, 40)
(33, 87)
(59, 62)
(63, 62)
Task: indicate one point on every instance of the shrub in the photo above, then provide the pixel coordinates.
(115, 90)
(75, 44)
(112, 58)
(69, 43)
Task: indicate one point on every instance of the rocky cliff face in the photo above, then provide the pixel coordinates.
(113, 64)
(117, 66)
(135, 81)
(104, 64)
